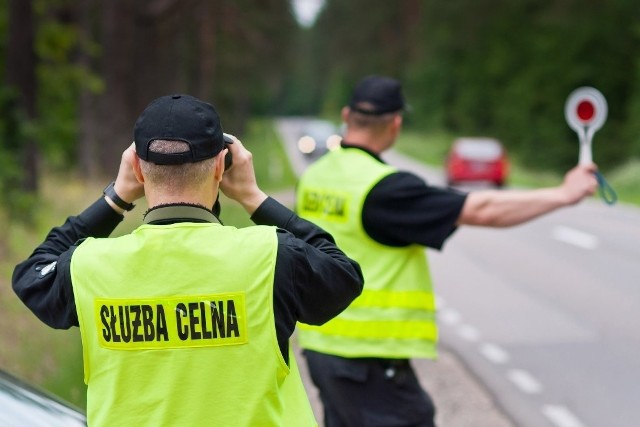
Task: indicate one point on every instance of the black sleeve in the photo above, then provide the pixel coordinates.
(43, 281)
(402, 209)
(314, 280)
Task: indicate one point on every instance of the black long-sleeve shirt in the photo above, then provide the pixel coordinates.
(402, 209)
(314, 280)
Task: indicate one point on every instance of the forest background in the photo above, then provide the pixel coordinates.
(74, 75)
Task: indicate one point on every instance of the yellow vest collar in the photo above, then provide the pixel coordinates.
(179, 213)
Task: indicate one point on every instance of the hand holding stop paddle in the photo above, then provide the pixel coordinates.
(586, 112)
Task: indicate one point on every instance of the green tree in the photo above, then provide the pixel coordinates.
(493, 67)
(83, 71)
(20, 97)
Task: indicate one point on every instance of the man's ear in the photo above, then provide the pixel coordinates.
(397, 121)
(137, 170)
(345, 113)
(219, 165)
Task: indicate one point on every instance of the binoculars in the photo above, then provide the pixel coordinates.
(228, 161)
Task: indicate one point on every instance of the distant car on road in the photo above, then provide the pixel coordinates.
(475, 159)
(317, 137)
(27, 406)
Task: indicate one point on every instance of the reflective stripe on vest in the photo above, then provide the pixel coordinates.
(395, 315)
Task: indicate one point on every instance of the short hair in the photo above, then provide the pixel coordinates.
(374, 121)
(175, 177)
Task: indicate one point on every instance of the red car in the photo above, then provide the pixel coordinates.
(477, 160)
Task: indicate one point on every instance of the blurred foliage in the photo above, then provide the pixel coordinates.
(98, 64)
(495, 67)
(60, 80)
(626, 181)
(427, 147)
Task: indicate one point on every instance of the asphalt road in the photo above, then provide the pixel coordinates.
(544, 315)
(547, 313)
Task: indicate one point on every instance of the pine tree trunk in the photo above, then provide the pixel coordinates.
(21, 76)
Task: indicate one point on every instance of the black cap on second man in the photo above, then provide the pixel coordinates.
(376, 95)
(182, 118)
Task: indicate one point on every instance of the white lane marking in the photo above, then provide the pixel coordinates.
(469, 333)
(450, 316)
(561, 416)
(524, 381)
(575, 237)
(494, 353)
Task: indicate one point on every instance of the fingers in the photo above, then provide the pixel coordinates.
(236, 147)
(241, 156)
(126, 184)
(128, 153)
(239, 182)
(591, 167)
(580, 182)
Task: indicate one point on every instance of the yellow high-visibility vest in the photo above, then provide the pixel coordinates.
(177, 327)
(394, 317)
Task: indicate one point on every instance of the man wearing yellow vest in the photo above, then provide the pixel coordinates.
(384, 218)
(185, 321)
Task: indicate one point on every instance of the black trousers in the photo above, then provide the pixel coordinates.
(369, 392)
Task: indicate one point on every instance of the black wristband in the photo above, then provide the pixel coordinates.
(110, 192)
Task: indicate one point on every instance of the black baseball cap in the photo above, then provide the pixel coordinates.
(376, 95)
(180, 118)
